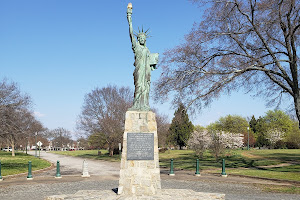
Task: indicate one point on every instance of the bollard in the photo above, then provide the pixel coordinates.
(85, 171)
(171, 169)
(1, 179)
(197, 168)
(29, 176)
(57, 170)
(223, 169)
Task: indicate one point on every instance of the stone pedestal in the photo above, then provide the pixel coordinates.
(140, 174)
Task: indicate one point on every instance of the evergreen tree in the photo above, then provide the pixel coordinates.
(181, 127)
(253, 123)
(260, 132)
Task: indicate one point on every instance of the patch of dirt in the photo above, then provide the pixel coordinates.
(249, 155)
(279, 165)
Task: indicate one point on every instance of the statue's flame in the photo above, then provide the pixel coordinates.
(129, 5)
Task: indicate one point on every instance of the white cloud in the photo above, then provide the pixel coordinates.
(38, 114)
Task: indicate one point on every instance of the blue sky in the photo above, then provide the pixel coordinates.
(59, 50)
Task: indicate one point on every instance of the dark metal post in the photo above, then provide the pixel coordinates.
(248, 138)
(197, 168)
(120, 152)
(0, 172)
(171, 169)
(29, 177)
(35, 145)
(223, 169)
(57, 170)
(26, 145)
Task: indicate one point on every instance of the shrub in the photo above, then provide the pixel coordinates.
(163, 150)
(279, 145)
(292, 145)
(116, 151)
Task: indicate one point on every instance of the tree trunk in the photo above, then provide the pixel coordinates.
(111, 151)
(12, 148)
(297, 107)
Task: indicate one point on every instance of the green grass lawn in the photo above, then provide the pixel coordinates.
(283, 164)
(282, 155)
(254, 163)
(19, 164)
(92, 154)
(234, 159)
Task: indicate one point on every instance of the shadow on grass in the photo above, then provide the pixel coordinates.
(285, 157)
(13, 166)
(291, 168)
(234, 159)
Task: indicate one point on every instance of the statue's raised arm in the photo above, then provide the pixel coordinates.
(129, 18)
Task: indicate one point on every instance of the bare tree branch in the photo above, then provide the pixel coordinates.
(239, 44)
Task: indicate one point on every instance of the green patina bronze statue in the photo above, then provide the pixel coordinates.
(145, 62)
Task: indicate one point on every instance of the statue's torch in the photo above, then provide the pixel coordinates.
(129, 6)
(129, 9)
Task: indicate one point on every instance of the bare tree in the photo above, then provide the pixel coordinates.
(163, 126)
(82, 143)
(104, 111)
(11, 96)
(14, 113)
(28, 126)
(60, 137)
(18, 126)
(217, 144)
(11, 100)
(239, 44)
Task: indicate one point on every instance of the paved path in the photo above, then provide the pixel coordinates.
(40, 188)
(73, 165)
(105, 177)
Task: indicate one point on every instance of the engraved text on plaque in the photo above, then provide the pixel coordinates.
(140, 146)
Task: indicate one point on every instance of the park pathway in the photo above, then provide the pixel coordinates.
(73, 165)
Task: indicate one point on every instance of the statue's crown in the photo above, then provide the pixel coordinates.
(146, 34)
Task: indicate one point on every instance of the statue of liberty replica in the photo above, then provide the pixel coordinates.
(145, 62)
(139, 171)
(139, 167)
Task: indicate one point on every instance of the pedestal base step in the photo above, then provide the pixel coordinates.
(165, 194)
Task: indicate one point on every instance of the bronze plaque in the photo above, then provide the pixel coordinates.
(140, 146)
